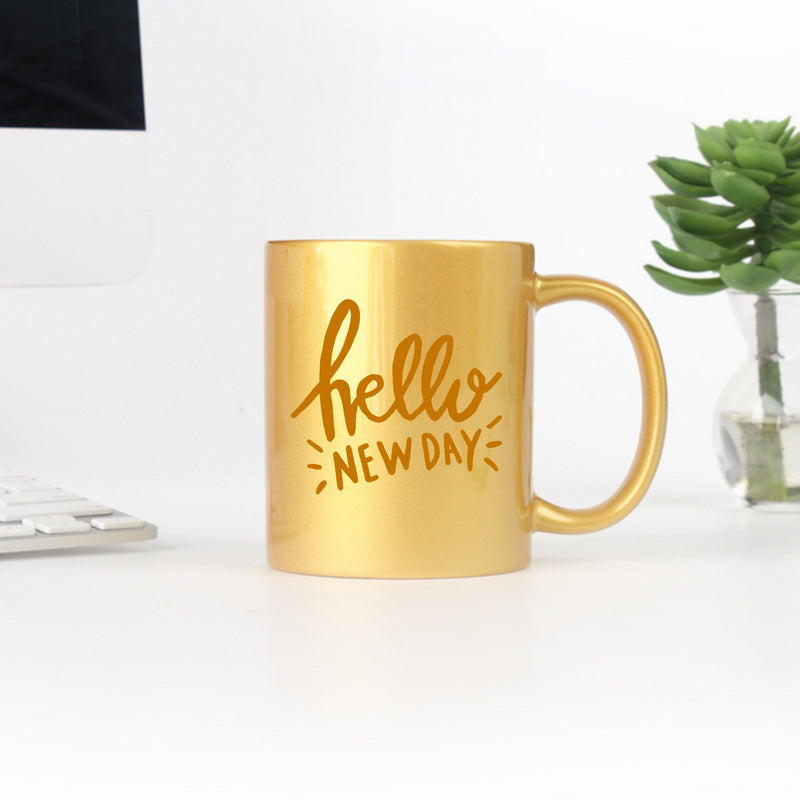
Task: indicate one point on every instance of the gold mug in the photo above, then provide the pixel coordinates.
(399, 406)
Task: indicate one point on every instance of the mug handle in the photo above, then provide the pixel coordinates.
(543, 291)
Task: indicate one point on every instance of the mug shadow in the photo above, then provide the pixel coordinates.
(679, 529)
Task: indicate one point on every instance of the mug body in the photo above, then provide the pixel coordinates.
(398, 407)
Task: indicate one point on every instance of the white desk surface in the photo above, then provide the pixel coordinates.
(660, 658)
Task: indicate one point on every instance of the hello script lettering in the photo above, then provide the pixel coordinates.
(457, 399)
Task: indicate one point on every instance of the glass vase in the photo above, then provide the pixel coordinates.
(757, 420)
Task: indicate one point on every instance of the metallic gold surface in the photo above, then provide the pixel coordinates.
(399, 407)
(544, 516)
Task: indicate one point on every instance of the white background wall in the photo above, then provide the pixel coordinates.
(440, 119)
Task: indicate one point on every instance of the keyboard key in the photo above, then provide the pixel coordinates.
(20, 529)
(116, 523)
(77, 508)
(50, 496)
(58, 523)
(6, 473)
(24, 485)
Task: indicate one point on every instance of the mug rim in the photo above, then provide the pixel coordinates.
(446, 242)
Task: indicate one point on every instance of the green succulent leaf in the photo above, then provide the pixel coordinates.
(787, 262)
(711, 251)
(713, 144)
(761, 177)
(739, 189)
(758, 175)
(697, 216)
(663, 208)
(666, 201)
(791, 150)
(734, 238)
(792, 200)
(793, 276)
(785, 137)
(763, 221)
(679, 186)
(764, 243)
(776, 129)
(686, 171)
(779, 194)
(735, 130)
(682, 260)
(789, 226)
(748, 277)
(763, 156)
(663, 211)
(762, 129)
(703, 224)
(783, 238)
(784, 213)
(683, 285)
(790, 179)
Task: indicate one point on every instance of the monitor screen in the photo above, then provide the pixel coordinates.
(74, 191)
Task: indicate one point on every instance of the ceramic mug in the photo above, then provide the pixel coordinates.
(399, 407)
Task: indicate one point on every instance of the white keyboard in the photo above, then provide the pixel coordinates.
(39, 516)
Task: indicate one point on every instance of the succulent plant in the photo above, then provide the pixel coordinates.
(747, 243)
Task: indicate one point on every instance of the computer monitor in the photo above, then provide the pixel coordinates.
(74, 183)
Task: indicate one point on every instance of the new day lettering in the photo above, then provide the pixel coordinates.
(405, 364)
(357, 462)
